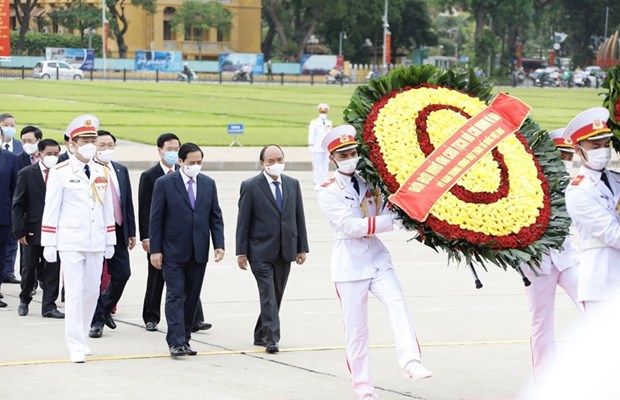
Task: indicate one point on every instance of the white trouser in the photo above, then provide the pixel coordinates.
(354, 300)
(541, 296)
(320, 167)
(82, 277)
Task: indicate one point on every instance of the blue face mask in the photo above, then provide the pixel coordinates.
(9, 132)
(171, 157)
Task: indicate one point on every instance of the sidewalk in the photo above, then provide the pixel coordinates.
(140, 156)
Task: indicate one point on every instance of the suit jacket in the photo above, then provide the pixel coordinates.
(23, 160)
(262, 231)
(176, 230)
(8, 181)
(129, 218)
(145, 193)
(28, 203)
(63, 157)
(17, 147)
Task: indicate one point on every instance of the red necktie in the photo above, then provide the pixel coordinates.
(116, 203)
(47, 172)
(169, 172)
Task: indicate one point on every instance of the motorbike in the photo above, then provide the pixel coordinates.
(242, 75)
(182, 76)
(335, 77)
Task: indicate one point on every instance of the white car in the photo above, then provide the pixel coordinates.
(56, 70)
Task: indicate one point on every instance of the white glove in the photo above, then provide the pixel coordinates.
(398, 223)
(109, 252)
(50, 254)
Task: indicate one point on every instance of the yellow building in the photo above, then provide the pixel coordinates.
(153, 31)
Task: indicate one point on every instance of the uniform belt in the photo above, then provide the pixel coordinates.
(593, 244)
(342, 235)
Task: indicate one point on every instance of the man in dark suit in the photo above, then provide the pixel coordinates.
(65, 156)
(30, 136)
(9, 143)
(27, 212)
(185, 214)
(168, 148)
(125, 225)
(271, 233)
(8, 180)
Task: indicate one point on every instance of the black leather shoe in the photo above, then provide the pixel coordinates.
(177, 351)
(189, 351)
(54, 314)
(272, 348)
(260, 342)
(201, 326)
(109, 322)
(11, 279)
(2, 304)
(95, 332)
(1, 296)
(151, 326)
(22, 310)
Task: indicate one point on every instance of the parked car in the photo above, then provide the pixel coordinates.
(51, 69)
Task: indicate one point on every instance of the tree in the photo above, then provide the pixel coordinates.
(119, 22)
(202, 16)
(78, 16)
(23, 9)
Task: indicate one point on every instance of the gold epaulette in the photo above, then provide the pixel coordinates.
(328, 182)
(62, 164)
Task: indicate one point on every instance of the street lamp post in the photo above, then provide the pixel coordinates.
(104, 37)
(343, 35)
(385, 32)
(312, 41)
(90, 32)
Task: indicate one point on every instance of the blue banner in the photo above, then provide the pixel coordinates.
(83, 59)
(231, 62)
(165, 61)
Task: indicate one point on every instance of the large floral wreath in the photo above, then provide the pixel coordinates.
(612, 103)
(507, 209)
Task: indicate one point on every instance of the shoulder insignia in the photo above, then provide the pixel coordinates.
(328, 182)
(577, 180)
(62, 164)
(615, 175)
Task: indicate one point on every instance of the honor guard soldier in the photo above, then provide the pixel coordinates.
(78, 223)
(362, 264)
(319, 127)
(592, 202)
(557, 268)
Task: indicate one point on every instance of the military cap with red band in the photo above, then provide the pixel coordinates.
(84, 125)
(561, 143)
(339, 139)
(590, 124)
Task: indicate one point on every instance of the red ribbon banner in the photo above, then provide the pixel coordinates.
(453, 158)
(5, 29)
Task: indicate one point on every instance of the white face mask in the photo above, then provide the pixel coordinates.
(568, 165)
(598, 158)
(192, 170)
(50, 161)
(322, 116)
(30, 148)
(87, 151)
(348, 166)
(275, 169)
(105, 156)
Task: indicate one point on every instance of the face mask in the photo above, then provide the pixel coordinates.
(30, 148)
(171, 157)
(568, 165)
(275, 169)
(348, 166)
(9, 132)
(105, 156)
(50, 161)
(598, 159)
(87, 151)
(192, 170)
(322, 116)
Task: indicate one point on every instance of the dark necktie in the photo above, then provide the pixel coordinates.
(279, 200)
(87, 171)
(7, 147)
(190, 192)
(356, 184)
(606, 181)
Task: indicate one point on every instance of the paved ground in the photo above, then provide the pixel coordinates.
(475, 341)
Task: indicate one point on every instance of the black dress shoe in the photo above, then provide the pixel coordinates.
(272, 348)
(1, 296)
(260, 342)
(2, 304)
(151, 326)
(54, 314)
(189, 351)
(11, 279)
(201, 326)
(109, 322)
(95, 332)
(177, 351)
(22, 310)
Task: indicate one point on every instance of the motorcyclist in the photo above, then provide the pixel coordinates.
(188, 72)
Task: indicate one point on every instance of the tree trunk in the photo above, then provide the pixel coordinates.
(268, 41)
(23, 19)
(120, 28)
(278, 26)
(479, 13)
(304, 38)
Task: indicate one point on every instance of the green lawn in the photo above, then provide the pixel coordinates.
(141, 111)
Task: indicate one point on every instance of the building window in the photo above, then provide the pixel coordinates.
(169, 32)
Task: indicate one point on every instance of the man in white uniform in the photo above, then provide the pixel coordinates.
(558, 268)
(78, 222)
(362, 264)
(592, 202)
(319, 127)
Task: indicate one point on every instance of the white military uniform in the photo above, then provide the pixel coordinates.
(317, 130)
(78, 220)
(593, 209)
(362, 264)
